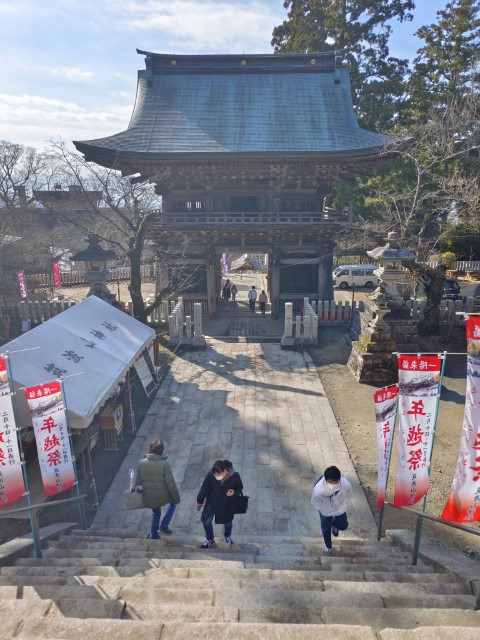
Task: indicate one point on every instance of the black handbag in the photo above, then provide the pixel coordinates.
(240, 504)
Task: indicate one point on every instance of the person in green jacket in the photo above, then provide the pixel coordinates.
(159, 488)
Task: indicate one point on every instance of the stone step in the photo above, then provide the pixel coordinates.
(72, 608)
(229, 582)
(399, 618)
(58, 628)
(212, 568)
(328, 562)
(72, 629)
(429, 633)
(83, 542)
(21, 580)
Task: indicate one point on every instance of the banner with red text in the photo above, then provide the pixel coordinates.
(418, 391)
(57, 278)
(12, 485)
(463, 504)
(385, 415)
(51, 433)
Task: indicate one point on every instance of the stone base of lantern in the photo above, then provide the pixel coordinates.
(375, 341)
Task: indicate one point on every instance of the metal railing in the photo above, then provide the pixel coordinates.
(34, 517)
(418, 535)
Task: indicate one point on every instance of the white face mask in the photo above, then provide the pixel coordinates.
(217, 477)
(333, 487)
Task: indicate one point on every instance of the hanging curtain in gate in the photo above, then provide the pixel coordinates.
(418, 390)
(385, 416)
(51, 434)
(463, 503)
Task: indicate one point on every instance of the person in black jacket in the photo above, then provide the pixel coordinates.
(219, 486)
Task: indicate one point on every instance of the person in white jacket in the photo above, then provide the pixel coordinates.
(332, 496)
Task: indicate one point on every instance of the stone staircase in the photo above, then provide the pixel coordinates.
(102, 583)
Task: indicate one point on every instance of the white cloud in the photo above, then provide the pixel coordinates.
(72, 73)
(208, 26)
(33, 120)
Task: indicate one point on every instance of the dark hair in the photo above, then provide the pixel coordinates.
(219, 466)
(157, 447)
(332, 473)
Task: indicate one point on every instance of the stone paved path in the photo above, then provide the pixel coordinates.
(264, 409)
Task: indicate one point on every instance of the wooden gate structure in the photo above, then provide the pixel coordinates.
(244, 150)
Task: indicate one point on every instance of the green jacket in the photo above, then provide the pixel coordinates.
(155, 475)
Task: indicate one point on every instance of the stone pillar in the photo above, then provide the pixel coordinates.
(287, 338)
(275, 286)
(325, 280)
(198, 337)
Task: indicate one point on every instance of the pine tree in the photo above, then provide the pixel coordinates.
(362, 28)
(447, 65)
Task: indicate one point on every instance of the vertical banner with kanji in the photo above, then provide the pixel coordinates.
(57, 278)
(12, 485)
(463, 504)
(418, 391)
(224, 263)
(22, 284)
(51, 433)
(385, 415)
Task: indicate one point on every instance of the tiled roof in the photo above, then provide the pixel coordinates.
(241, 105)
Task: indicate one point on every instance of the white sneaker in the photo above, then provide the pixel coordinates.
(328, 550)
(229, 540)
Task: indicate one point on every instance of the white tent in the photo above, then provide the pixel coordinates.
(91, 345)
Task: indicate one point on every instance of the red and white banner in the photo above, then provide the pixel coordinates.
(385, 415)
(418, 390)
(57, 278)
(51, 433)
(4, 382)
(12, 486)
(22, 284)
(463, 504)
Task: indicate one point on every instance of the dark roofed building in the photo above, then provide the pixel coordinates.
(244, 149)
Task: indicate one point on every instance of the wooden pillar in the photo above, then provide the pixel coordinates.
(325, 280)
(211, 286)
(275, 285)
(269, 276)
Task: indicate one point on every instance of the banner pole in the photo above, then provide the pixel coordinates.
(419, 527)
(382, 508)
(67, 417)
(33, 521)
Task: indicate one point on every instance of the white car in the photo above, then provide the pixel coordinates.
(355, 275)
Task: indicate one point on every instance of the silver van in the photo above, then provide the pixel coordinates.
(358, 275)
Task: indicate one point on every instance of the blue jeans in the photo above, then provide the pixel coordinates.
(327, 522)
(208, 526)
(156, 513)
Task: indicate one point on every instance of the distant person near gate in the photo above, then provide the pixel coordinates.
(252, 297)
(262, 299)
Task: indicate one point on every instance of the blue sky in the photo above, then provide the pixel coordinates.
(69, 67)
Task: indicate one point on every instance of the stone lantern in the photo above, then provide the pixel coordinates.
(95, 258)
(390, 269)
(384, 326)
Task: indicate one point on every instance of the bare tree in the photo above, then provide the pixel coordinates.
(122, 216)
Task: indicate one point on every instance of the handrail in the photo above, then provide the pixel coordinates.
(35, 508)
(418, 533)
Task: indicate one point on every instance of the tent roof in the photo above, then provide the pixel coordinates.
(91, 345)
